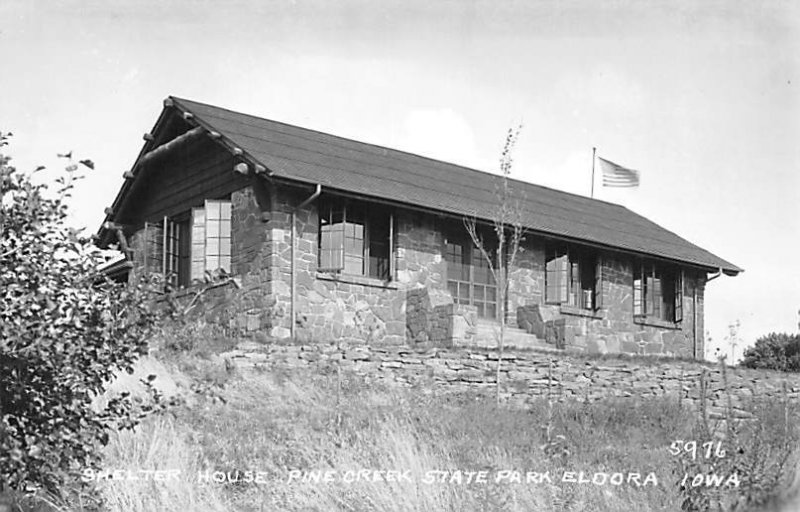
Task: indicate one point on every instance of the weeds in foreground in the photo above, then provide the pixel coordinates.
(741, 463)
(179, 338)
(291, 429)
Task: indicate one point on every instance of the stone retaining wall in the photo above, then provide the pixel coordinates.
(528, 376)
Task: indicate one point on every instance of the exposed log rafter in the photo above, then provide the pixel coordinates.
(168, 147)
(251, 166)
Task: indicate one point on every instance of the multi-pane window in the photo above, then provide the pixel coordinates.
(185, 247)
(469, 278)
(173, 251)
(380, 246)
(657, 291)
(211, 238)
(458, 272)
(572, 277)
(331, 239)
(354, 239)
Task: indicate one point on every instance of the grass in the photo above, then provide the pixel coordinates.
(289, 428)
(274, 424)
(159, 445)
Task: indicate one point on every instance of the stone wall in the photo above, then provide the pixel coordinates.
(329, 308)
(418, 260)
(253, 307)
(612, 328)
(527, 376)
(338, 308)
(429, 317)
(526, 278)
(618, 331)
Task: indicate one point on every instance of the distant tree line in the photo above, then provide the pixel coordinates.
(775, 351)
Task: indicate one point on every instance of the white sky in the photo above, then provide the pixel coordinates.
(702, 98)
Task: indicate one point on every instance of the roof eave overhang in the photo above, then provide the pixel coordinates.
(103, 235)
(730, 270)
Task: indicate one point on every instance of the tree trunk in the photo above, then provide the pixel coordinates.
(501, 292)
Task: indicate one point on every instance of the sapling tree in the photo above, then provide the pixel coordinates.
(506, 223)
(64, 331)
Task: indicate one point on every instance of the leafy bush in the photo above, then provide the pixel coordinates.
(64, 331)
(775, 352)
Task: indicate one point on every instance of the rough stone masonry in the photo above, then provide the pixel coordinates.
(529, 375)
(414, 307)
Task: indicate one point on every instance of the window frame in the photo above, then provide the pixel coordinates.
(657, 291)
(181, 252)
(565, 273)
(175, 242)
(470, 281)
(224, 244)
(371, 263)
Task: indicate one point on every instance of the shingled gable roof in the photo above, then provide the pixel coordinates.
(309, 156)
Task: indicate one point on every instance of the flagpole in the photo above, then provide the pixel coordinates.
(594, 151)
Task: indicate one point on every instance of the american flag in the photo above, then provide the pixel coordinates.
(617, 176)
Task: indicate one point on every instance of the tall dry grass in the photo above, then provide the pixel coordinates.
(275, 422)
(159, 445)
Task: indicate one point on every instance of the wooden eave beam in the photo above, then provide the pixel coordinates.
(170, 146)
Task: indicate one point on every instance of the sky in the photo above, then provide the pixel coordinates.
(700, 97)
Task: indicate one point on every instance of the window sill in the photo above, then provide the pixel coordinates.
(656, 322)
(576, 311)
(360, 280)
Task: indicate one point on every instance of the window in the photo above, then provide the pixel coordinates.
(174, 254)
(189, 245)
(573, 277)
(469, 278)
(211, 239)
(354, 239)
(657, 292)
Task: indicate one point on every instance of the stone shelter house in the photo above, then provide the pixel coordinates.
(328, 239)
